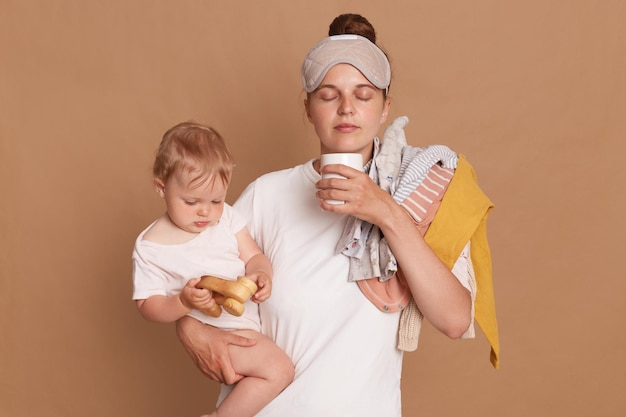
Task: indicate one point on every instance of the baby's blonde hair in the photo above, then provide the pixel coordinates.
(194, 148)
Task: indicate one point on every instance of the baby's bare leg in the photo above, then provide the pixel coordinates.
(267, 371)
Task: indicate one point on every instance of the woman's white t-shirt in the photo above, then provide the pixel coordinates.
(343, 347)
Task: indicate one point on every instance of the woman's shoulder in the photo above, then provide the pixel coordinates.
(276, 182)
(283, 174)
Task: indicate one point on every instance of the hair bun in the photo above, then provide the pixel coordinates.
(352, 24)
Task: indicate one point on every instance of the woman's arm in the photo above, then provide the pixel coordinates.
(436, 291)
(208, 348)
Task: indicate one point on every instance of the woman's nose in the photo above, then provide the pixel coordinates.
(345, 106)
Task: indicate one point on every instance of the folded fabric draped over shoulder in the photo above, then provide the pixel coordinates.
(462, 217)
(438, 189)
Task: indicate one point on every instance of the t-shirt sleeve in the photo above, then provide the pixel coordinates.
(236, 221)
(148, 279)
(244, 206)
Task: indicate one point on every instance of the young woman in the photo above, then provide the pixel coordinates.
(343, 343)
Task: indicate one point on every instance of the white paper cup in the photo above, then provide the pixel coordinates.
(353, 160)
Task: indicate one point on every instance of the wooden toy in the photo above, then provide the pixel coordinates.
(228, 294)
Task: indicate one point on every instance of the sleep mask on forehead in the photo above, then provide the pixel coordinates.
(345, 49)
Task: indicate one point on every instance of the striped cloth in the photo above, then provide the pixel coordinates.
(423, 202)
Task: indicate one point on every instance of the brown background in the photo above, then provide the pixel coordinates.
(534, 92)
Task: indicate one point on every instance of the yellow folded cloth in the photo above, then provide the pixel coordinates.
(462, 217)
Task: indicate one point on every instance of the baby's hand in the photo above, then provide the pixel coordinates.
(264, 284)
(198, 298)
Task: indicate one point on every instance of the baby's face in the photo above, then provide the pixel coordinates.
(194, 206)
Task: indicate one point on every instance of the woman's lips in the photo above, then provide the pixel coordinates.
(346, 127)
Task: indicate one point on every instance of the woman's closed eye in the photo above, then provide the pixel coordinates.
(328, 96)
(364, 94)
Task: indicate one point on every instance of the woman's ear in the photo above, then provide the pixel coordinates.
(385, 113)
(307, 108)
(159, 187)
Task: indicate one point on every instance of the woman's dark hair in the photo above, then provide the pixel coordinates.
(354, 24)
